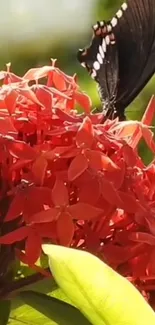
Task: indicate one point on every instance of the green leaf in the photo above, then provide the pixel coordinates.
(23, 314)
(5, 306)
(46, 286)
(101, 294)
(58, 311)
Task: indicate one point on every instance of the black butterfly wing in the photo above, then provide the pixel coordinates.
(135, 37)
(129, 64)
(101, 61)
(107, 75)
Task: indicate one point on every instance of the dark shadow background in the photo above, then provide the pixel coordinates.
(32, 32)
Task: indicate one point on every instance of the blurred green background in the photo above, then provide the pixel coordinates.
(33, 31)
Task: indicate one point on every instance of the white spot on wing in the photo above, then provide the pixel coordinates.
(104, 45)
(93, 74)
(107, 40)
(109, 28)
(101, 52)
(95, 27)
(83, 64)
(101, 23)
(124, 6)
(114, 21)
(99, 58)
(119, 13)
(96, 65)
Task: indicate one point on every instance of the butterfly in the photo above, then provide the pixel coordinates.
(121, 56)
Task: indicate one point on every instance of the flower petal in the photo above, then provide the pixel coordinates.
(99, 161)
(84, 211)
(130, 203)
(85, 134)
(7, 126)
(142, 237)
(65, 229)
(33, 246)
(78, 165)
(129, 155)
(36, 73)
(148, 136)
(89, 191)
(149, 112)
(117, 175)
(60, 193)
(59, 81)
(109, 193)
(45, 215)
(10, 100)
(22, 150)
(83, 100)
(45, 97)
(15, 236)
(16, 207)
(39, 170)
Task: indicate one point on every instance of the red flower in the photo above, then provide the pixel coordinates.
(70, 179)
(33, 236)
(64, 213)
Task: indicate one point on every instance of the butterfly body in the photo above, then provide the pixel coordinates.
(121, 56)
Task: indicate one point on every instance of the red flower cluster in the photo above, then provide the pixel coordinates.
(71, 179)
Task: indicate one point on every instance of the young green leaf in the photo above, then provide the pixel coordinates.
(5, 306)
(58, 311)
(101, 294)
